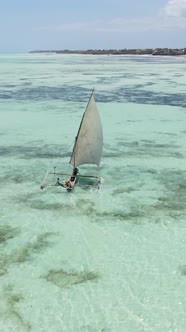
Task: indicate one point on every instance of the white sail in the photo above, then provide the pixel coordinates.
(89, 141)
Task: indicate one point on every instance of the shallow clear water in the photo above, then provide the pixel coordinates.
(93, 260)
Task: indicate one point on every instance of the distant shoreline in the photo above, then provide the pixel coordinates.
(148, 51)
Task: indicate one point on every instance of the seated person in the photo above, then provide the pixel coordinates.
(57, 182)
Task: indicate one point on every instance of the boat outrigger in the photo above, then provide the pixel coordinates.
(87, 147)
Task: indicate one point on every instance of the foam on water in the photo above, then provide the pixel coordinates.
(93, 260)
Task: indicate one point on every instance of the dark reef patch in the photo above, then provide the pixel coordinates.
(88, 208)
(134, 94)
(3, 265)
(173, 199)
(30, 152)
(144, 148)
(42, 241)
(25, 253)
(7, 232)
(42, 205)
(11, 299)
(182, 270)
(66, 279)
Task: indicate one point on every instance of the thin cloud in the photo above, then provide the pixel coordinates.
(171, 17)
(176, 8)
(159, 23)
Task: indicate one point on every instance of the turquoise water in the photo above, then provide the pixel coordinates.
(93, 260)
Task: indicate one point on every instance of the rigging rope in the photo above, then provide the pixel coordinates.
(69, 149)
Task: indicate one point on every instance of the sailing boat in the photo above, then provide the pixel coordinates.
(87, 147)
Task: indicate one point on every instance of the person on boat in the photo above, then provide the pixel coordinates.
(57, 182)
(67, 183)
(75, 171)
(70, 182)
(74, 174)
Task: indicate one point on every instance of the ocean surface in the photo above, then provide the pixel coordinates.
(107, 260)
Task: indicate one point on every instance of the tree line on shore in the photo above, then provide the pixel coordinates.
(125, 51)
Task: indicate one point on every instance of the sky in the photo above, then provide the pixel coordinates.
(27, 25)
